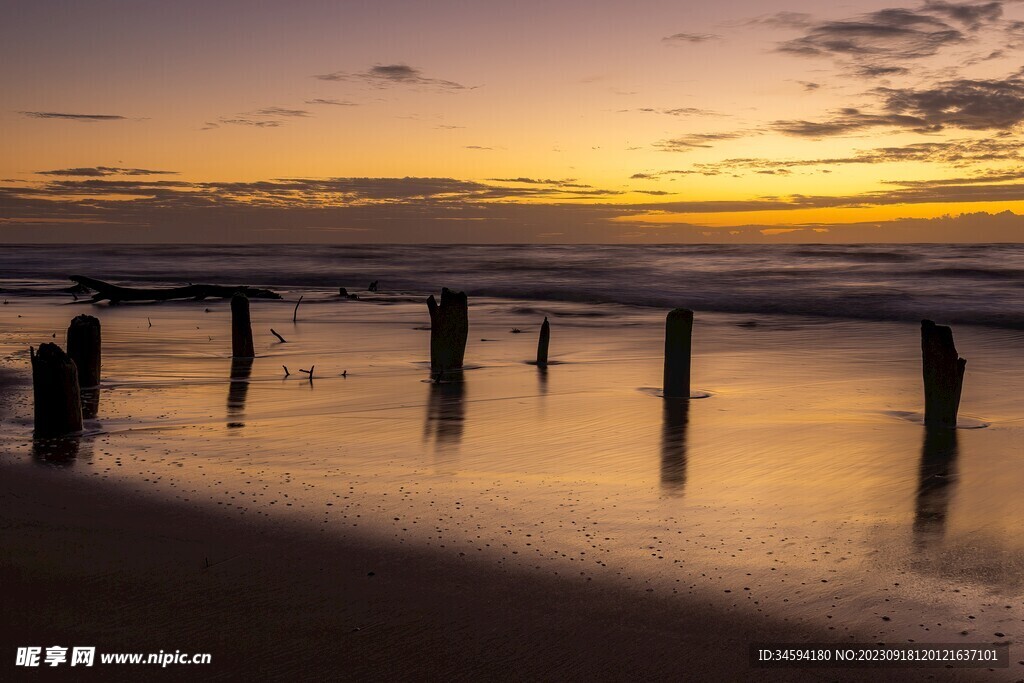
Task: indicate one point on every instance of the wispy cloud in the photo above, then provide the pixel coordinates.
(332, 102)
(386, 75)
(689, 38)
(685, 143)
(85, 118)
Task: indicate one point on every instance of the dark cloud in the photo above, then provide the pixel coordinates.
(478, 147)
(384, 75)
(893, 33)
(878, 44)
(394, 210)
(971, 15)
(850, 121)
(103, 171)
(333, 102)
(683, 38)
(72, 117)
(963, 103)
(964, 152)
(809, 86)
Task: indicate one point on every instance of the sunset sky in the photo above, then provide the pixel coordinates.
(664, 121)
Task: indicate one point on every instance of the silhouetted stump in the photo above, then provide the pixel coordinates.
(373, 286)
(241, 327)
(543, 342)
(344, 293)
(943, 375)
(449, 330)
(84, 349)
(678, 329)
(56, 394)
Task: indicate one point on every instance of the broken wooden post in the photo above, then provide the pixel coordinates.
(542, 343)
(678, 329)
(56, 394)
(84, 348)
(449, 330)
(943, 375)
(241, 327)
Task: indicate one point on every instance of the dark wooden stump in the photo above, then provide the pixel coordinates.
(943, 375)
(449, 330)
(678, 329)
(56, 394)
(543, 342)
(84, 348)
(241, 327)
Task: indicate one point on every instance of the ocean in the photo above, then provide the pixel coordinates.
(977, 284)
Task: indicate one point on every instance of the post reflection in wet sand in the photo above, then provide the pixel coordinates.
(90, 403)
(675, 418)
(936, 480)
(60, 452)
(238, 389)
(542, 379)
(445, 417)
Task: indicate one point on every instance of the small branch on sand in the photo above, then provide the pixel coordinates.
(115, 294)
(286, 373)
(150, 322)
(295, 313)
(309, 372)
(274, 332)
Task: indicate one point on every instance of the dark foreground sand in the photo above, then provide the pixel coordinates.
(93, 566)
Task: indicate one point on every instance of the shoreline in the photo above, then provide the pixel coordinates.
(560, 524)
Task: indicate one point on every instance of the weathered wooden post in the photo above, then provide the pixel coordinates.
(56, 394)
(241, 327)
(943, 375)
(678, 329)
(543, 342)
(84, 348)
(449, 330)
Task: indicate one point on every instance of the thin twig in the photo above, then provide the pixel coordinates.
(274, 332)
(309, 372)
(295, 313)
(286, 373)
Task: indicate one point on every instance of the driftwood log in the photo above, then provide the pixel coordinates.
(104, 291)
(943, 371)
(678, 330)
(84, 348)
(57, 398)
(449, 330)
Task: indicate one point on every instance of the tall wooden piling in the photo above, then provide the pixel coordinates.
(943, 371)
(449, 330)
(56, 394)
(84, 348)
(678, 330)
(543, 342)
(241, 327)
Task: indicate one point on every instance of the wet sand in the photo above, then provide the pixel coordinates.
(551, 525)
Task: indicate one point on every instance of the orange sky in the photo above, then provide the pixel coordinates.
(518, 122)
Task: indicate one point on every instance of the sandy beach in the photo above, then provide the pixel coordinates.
(514, 523)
